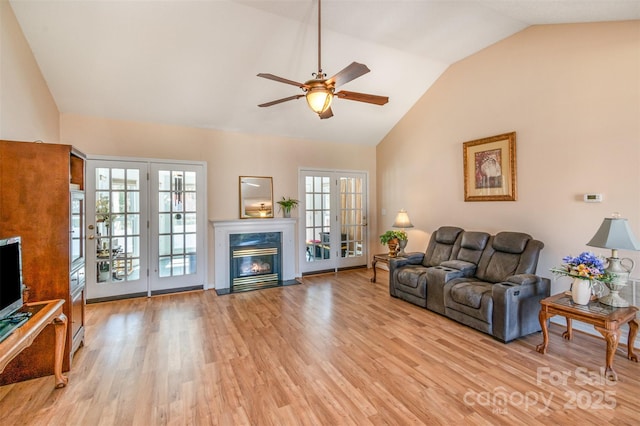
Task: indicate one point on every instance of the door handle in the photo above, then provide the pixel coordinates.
(91, 237)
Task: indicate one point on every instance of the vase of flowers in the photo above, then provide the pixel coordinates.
(587, 269)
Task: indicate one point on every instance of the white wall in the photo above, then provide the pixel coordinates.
(27, 109)
(572, 94)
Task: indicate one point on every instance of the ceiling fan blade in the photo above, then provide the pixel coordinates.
(281, 80)
(351, 72)
(327, 114)
(362, 97)
(279, 101)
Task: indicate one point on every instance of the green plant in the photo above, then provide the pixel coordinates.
(286, 204)
(390, 235)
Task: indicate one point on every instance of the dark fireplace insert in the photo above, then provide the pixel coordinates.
(256, 261)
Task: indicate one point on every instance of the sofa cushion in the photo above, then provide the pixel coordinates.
(410, 275)
(470, 297)
(469, 293)
(511, 242)
(501, 266)
(471, 246)
(442, 245)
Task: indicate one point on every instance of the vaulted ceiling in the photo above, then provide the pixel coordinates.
(194, 63)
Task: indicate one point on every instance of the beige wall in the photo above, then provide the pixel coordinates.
(27, 109)
(228, 156)
(572, 94)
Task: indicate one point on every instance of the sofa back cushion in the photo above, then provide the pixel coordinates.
(443, 245)
(471, 246)
(509, 253)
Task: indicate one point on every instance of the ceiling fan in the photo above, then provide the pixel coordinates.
(319, 91)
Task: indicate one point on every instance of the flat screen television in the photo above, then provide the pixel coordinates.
(10, 276)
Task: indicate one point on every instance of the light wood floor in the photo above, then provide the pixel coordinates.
(334, 350)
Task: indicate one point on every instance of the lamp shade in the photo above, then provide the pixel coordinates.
(615, 233)
(402, 220)
(319, 97)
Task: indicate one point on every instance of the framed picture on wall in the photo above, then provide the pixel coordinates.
(490, 168)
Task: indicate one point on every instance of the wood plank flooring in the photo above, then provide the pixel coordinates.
(335, 350)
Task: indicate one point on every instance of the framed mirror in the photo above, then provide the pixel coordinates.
(256, 197)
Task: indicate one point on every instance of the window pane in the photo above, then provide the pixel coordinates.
(133, 224)
(133, 179)
(117, 202)
(164, 223)
(164, 180)
(164, 269)
(190, 222)
(133, 202)
(164, 245)
(102, 178)
(164, 202)
(178, 244)
(117, 178)
(190, 181)
(117, 224)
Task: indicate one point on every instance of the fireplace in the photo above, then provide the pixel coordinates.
(255, 261)
(224, 229)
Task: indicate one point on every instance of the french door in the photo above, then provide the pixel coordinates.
(334, 222)
(146, 228)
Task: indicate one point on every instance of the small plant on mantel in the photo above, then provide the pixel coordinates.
(286, 205)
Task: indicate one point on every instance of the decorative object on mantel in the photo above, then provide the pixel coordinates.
(586, 270)
(391, 239)
(256, 197)
(286, 205)
(402, 221)
(614, 233)
(490, 168)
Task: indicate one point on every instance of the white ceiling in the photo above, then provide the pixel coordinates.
(194, 63)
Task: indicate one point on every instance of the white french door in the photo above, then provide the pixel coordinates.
(116, 218)
(146, 228)
(333, 228)
(177, 226)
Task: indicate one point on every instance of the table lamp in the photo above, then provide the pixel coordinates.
(614, 234)
(402, 221)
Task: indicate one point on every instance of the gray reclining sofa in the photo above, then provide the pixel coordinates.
(487, 282)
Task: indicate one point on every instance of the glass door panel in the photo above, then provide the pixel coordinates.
(352, 219)
(117, 193)
(334, 220)
(177, 226)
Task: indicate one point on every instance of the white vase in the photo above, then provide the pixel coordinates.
(581, 291)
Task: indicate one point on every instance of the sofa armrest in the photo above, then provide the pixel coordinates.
(467, 268)
(409, 259)
(522, 279)
(516, 304)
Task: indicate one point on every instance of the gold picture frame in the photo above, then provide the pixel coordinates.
(490, 168)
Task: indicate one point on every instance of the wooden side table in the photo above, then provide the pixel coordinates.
(45, 313)
(384, 258)
(606, 319)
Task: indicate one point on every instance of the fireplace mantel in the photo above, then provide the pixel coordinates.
(223, 228)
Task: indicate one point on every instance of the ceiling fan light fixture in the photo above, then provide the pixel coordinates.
(319, 98)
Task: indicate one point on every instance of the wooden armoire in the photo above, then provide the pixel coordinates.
(42, 201)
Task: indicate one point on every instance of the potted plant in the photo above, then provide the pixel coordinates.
(391, 238)
(286, 204)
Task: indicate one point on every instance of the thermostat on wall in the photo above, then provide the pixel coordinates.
(592, 198)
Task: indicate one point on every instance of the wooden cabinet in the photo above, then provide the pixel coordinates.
(41, 200)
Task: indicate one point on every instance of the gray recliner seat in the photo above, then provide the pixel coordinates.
(472, 245)
(407, 279)
(502, 297)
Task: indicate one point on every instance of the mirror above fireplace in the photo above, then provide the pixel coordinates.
(256, 197)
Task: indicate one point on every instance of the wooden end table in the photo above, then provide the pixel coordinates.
(45, 313)
(384, 258)
(606, 319)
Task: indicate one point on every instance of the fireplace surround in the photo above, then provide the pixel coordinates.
(223, 242)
